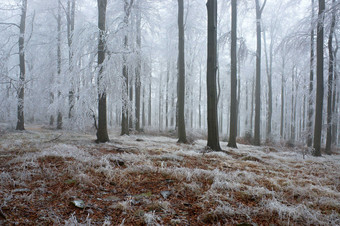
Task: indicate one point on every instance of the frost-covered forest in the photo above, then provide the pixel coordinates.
(169, 112)
(59, 76)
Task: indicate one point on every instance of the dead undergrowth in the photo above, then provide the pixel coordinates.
(58, 177)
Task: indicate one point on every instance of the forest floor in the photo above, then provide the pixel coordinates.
(51, 177)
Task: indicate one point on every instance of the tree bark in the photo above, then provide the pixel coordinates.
(311, 82)
(257, 132)
(282, 98)
(182, 138)
(21, 88)
(319, 80)
(125, 108)
(102, 135)
(213, 135)
(70, 15)
(330, 83)
(59, 116)
(233, 77)
(269, 67)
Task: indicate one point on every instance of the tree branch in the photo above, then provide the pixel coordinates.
(9, 24)
(264, 4)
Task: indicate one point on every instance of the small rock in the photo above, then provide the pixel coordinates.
(139, 139)
(165, 194)
(78, 203)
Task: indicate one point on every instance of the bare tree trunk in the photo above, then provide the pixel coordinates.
(233, 77)
(335, 109)
(269, 63)
(125, 108)
(143, 109)
(282, 125)
(70, 30)
(102, 135)
(60, 116)
(213, 135)
(149, 107)
(293, 109)
(200, 100)
(182, 138)
(167, 96)
(311, 82)
(330, 83)
(21, 88)
(319, 80)
(257, 133)
(252, 105)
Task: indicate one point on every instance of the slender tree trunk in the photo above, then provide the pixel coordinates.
(213, 135)
(330, 83)
(269, 63)
(257, 133)
(181, 75)
(200, 100)
(319, 80)
(335, 109)
(282, 99)
(252, 105)
(311, 82)
(149, 107)
(70, 15)
(143, 108)
(160, 104)
(60, 116)
(167, 96)
(102, 135)
(233, 77)
(293, 109)
(21, 89)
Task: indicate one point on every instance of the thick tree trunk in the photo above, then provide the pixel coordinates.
(311, 82)
(319, 80)
(233, 77)
(257, 132)
(21, 88)
(182, 138)
(102, 135)
(213, 135)
(330, 84)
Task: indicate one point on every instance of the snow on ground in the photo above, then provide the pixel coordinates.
(152, 180)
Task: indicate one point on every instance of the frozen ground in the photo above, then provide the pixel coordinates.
(63, 177)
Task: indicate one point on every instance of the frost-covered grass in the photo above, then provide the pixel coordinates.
(43, 170)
